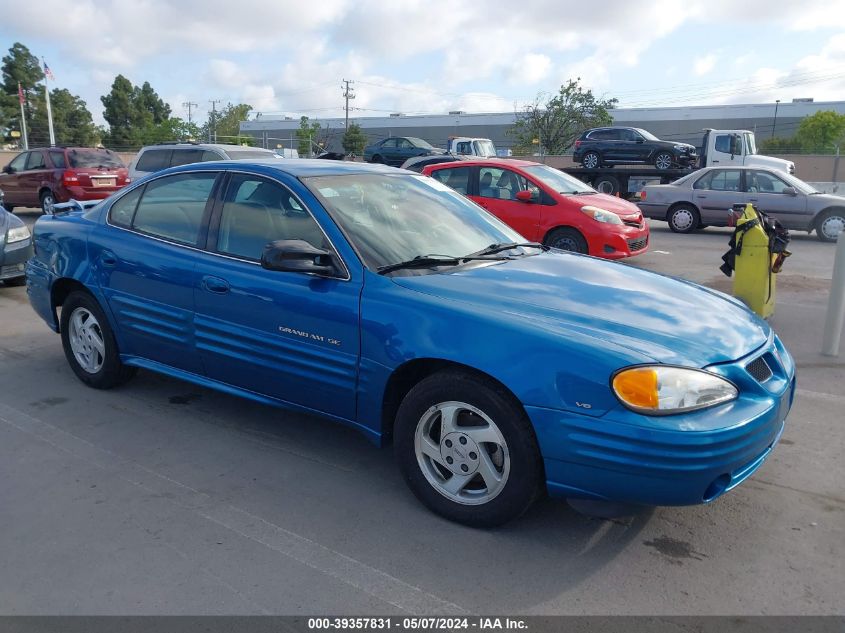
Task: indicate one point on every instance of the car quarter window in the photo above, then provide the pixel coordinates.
(123, 209)
(502, 184)
(765, 182)
(456, 177)
(19, 162)
(208, 155)
(720, 180)
(172, 207)
(154, 160)
(256, 212)
(35, 161)
(58, 160)
(185, 157)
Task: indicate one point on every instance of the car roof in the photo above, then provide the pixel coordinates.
(297, 167)
(493, 162)
(221, 146)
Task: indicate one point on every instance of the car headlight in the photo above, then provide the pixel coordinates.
(681, 148)
(664, 390)
(601, 215)
(17, 234)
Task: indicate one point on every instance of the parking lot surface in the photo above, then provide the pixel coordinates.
(161, 497)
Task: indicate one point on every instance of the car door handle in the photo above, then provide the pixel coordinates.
(753, 199)
(714, 161)
(700, 196)
(215, 285)
(107, 258)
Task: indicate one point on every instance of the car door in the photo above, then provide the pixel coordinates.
(389, 150)
(30, 181)
(611, 145)
(716, 192)
(10, 179)
(497, 189)
(462, 179)
(289, 336)
(630, 146)
(145, 256)
(768, 192)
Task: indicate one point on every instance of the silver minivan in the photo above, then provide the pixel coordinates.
(705, 197)
(157, 157)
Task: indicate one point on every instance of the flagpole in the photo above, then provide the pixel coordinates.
(23, 118)
(49, 110)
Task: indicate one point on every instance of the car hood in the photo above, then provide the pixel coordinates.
(658, 318)
(821, 200)
(609, 203)
(758, 160)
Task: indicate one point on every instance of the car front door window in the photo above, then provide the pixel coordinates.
(35, 161)
(764, 182)
(19, 163)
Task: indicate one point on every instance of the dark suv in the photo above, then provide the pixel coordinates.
(43, 177)
(630, 145)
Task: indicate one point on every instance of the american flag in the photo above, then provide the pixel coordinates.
(48, 73)
(20, 94)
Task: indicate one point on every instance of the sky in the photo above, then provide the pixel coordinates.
(432, 56)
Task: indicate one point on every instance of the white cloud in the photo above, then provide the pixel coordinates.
(704, 64)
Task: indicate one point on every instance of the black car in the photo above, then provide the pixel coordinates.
(630, 145)
(395, 150)
(15, 247)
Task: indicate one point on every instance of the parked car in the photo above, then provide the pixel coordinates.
(154, 158)
(15, 247)
(395, 150)
(43, 177)
(418, 163)
(390, 303)
(548, 206)
(628, 146)
(706, 196)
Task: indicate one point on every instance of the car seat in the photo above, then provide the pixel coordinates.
(486, 186)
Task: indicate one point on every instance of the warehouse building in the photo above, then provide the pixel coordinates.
(683, 124)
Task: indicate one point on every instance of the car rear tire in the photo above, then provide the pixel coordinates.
(567, 239)
(830, 224)
(664, 161)
(89, 343)
(48, 200)
(683, 218)
(377, 159)
(467, 449)
(591, 160)
(607, 184)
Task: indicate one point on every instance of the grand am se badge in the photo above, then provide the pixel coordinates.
(313, 337)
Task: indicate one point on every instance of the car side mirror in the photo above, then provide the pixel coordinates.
(789, 191)
(528, 195)
(640, 141)
(298, 256)
(7, 169)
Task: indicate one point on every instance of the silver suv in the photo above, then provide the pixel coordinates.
(157, 157)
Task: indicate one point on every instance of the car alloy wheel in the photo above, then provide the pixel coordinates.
(663, 161)
(462, 453)
(591, 160)
(86, 340)
(47, 202)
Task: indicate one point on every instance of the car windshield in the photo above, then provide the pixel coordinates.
(94, 158)
(485, 148)
(418, 142)
(750, 145)
(558, 180)
(241, 154)
(392, 218)
(647, 135)
(800, 185)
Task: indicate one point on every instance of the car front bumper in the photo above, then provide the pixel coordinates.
(13, 258)
(683, 459)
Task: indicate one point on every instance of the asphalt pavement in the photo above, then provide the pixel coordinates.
(161, 497)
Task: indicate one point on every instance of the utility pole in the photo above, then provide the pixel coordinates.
(212, 128)
(347, 94)
(775, 122)
(190, 105)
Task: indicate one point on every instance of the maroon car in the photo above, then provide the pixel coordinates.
(43, 177)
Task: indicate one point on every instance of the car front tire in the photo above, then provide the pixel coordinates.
(567, 239)
(830, 224)
(467, 450)
(89, 343)
(664, 161)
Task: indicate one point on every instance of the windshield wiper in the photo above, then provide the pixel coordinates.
(505, 246)
(430, 261)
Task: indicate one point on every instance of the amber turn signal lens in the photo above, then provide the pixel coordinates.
(637, 387)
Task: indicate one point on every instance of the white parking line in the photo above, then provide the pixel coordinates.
(346, 569)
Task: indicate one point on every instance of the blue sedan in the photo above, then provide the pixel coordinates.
(499, 369)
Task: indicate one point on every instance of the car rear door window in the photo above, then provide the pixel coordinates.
(389, 143)
(256, 212)
(58, 160)
(154, 160)
(456, 178)
(35, 161)
(185, 157)
(720, 180)
(172, 207)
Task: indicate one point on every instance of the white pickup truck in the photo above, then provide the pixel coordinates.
(470, 146)
(738, 148)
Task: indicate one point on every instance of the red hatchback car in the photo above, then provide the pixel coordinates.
(43, 177)
(549, 206)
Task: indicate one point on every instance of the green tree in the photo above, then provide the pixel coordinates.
(226, 126)
(72, 121)
(19, 65)
(137, 116)
(552, 123)
(778, 145)
(354, 139)
(150, 110)
(821, 132)
(308, 135)
(119, 113)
